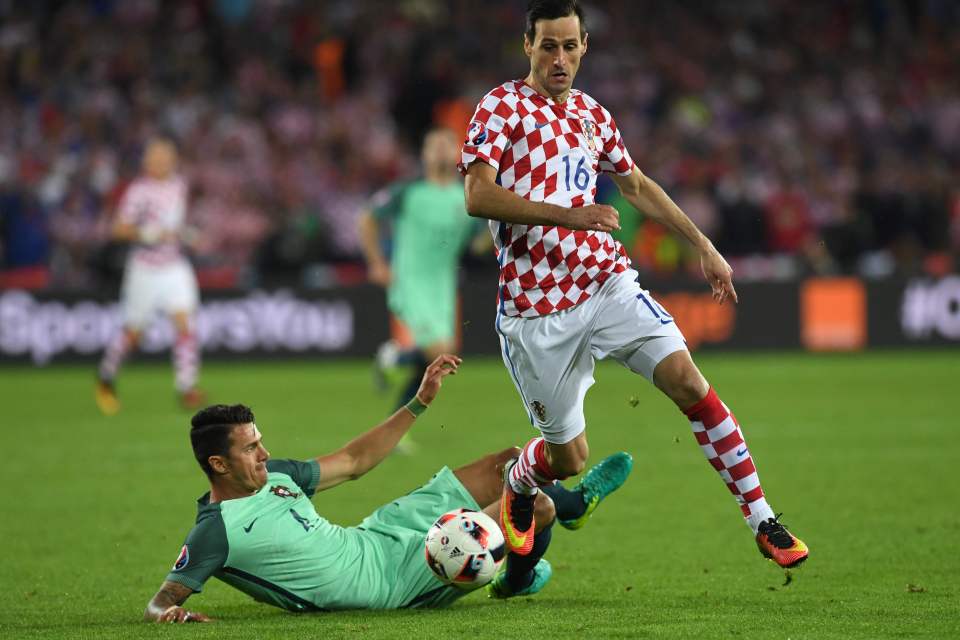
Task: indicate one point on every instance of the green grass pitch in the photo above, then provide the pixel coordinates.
(860, 452)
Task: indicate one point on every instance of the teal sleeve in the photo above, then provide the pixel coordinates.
(388, 202)
(203, 554)
(305, 474)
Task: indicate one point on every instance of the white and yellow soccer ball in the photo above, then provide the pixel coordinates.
(465, 548)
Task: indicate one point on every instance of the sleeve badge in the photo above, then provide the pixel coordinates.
(182, 559)
(477, 133)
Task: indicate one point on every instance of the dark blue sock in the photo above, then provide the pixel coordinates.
(569, 504)
(416, 376)
(410, 356)
(520, 568)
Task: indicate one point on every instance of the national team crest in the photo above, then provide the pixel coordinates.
(477, 133)
(282, 492)
(539, 410)
(183, 559)
(589, 128)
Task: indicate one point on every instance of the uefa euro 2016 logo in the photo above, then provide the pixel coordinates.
(477, 133)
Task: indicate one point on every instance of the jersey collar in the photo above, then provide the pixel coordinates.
(529, 92)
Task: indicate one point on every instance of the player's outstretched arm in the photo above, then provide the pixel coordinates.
(166, 606)
(647, 196)
(367, 450)
(486, 199)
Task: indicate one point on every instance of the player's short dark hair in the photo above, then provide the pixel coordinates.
(210, 431)
(551, 10)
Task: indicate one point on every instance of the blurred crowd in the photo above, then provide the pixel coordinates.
(802, 137)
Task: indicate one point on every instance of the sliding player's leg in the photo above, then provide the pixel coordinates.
(575, 506)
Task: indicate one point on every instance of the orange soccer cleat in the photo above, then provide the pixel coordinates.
(516, 516)
(779, 545)
(192, 399)
(105, 395)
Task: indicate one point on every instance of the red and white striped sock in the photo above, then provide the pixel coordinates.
(532, 469)
(186, 362)
(114, 356)
(721, 440)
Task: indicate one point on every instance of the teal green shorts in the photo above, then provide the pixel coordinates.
(429, 320)
(402, 526)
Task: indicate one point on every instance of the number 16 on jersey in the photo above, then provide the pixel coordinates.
(580, 177)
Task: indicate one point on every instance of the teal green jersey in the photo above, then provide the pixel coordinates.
(430, 229)
(276, 548)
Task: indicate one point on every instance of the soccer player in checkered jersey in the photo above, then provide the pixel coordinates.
(568, 295)
(157, 277)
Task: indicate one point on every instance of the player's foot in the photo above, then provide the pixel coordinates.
(499, 588)
(516, 516)
(106, 396)
(384, 363)
(407, 446)
(192, 399)
(600, 481)
(779, 545)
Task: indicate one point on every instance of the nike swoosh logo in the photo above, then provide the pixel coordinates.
(740, 452)
(247, 528)
(514, 539)
(540, 125)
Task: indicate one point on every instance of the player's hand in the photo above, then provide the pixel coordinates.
(176, 615)
(154, 235)
(593, 217)
(379, 273)
(719, 276)
(445, 365)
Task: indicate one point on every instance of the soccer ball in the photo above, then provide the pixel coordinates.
(465, 548)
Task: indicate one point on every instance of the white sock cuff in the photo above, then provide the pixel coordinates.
(760, 511)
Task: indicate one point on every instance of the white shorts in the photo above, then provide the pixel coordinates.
(551, 358)
(148, 289)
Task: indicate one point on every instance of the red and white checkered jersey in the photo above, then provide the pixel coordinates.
(547, 152)
(156, 208)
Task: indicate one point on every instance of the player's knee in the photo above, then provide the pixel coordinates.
(500, 459)
(685, 385)
(692, 388)
(544, 510)
(508, 454)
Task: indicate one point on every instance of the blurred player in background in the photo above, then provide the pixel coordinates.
(157, 277)
(427, 223)
(258, 531)
(568, 295)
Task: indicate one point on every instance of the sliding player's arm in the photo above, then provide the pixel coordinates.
(486, 199)
(647, 196)
(203, 553)
(167, 605)
(366, 451)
